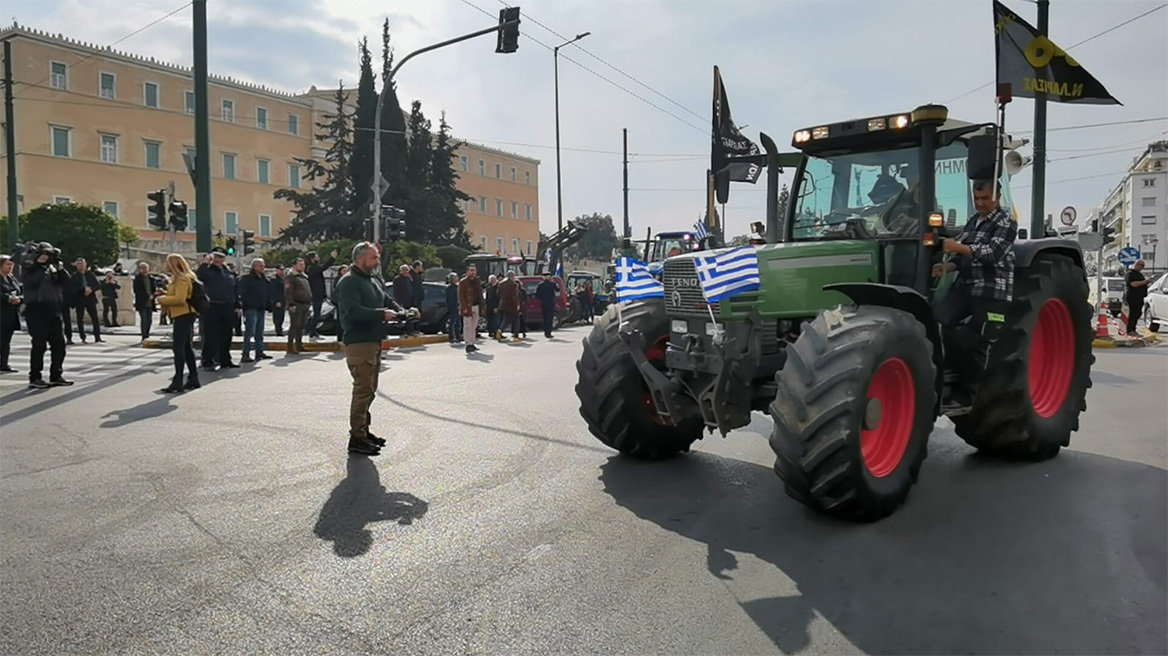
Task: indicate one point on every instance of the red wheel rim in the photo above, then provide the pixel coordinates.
(893, 391)
(655, 354)
(1052, 358)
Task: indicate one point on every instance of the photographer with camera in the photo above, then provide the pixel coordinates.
(11, 296)
(44, 301)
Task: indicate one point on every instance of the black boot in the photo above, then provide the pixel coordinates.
(192, 382)
(363, 447)
(175, 386)
(376, 440)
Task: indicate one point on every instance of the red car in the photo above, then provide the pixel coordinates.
(533, 311)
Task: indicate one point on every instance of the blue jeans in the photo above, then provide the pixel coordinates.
(454, 325)
(253, 329)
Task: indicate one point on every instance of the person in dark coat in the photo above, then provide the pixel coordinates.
(276, 294)
(547, 292)
(44, 300)
(316, 270)
(454, 320)
(254, 291)
(219, 319)
(83, 289)
(492, 294)
(11, 298)
(144, 302)
(419, 290)
(341, 273)
(523, 311)
(509, 307)
(403, 287)
(109, 300)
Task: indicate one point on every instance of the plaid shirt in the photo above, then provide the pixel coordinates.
(989, 272)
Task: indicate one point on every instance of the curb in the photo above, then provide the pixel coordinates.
(318, 347)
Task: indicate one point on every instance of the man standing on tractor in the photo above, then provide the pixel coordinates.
(985, 266)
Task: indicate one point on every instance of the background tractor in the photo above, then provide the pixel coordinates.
(842, 344)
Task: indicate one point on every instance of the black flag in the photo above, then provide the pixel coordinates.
(727, 141)
(1032, 64)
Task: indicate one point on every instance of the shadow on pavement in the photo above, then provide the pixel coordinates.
(479, 356)
(1066, 556)
(149, 410)
(358, 500)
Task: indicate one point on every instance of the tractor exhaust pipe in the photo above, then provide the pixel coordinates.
(773, 229)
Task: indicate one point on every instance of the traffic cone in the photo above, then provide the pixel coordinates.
(1121, 324)
(1102, 330)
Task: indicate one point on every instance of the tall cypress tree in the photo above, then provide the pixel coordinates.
(362, 163)
(325, 211)
(448, 219)
(419, 157)
(393, 129)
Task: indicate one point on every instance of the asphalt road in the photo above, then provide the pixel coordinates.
(230, 520)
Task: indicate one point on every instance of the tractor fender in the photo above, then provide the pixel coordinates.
(1027, 250)
(900, 298)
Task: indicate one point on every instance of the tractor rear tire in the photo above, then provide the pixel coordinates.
(1036, 383)
(614, 400)
(855, 405)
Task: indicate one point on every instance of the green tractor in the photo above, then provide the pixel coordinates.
(843, 345)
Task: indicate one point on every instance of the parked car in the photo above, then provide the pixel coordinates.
(1156, 303)
(533, 311)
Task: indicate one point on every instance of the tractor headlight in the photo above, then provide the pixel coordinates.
(802, 136)
(900, 122)
(679, 326)
(876, 124)
(821, 132)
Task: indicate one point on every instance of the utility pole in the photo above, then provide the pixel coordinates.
(10, 147)
(627, 231)
(203, 212)
(1038, 188)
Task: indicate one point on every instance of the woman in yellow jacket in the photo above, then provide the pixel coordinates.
(176, 303)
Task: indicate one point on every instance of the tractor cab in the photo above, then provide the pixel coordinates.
(496, 264)
(669, 244)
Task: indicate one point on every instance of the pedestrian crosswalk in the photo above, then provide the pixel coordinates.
(90, 363)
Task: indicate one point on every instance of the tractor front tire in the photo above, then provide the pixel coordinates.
(1038, 373)
(855, 405)
(614, 399)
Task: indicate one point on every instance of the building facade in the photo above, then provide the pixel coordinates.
(1137, 209)
(103, 127)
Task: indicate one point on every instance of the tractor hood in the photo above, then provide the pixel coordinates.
(793, 275)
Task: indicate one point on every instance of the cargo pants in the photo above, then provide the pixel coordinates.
(364, 360)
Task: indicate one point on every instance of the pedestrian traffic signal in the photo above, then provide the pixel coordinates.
(1108, 235)
(231, 245)
(156, 212)
(178, 214)
(394, 219)
(248, 242)
(508, 36)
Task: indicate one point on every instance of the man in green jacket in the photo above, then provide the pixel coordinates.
(361, 309)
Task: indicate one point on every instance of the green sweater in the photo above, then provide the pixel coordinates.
(361, 306)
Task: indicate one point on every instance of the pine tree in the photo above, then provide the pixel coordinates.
(393, 130)
(448, 220)
(418, 201)
(362, 163)
(325, 211)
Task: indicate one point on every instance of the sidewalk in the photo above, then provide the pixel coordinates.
(325, 344)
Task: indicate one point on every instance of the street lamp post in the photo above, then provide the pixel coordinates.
(559, 187)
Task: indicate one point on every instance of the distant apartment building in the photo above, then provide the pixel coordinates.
(103, 127)
(1137, 208)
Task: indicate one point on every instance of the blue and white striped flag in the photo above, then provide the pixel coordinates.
(701, 231)
(633, 280)
(728, 273)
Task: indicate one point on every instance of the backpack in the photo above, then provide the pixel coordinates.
(198, 300)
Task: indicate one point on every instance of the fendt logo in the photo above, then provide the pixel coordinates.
(684, 282)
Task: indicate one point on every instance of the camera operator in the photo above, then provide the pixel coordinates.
(44, 295)
(83, 289)
(11, 296)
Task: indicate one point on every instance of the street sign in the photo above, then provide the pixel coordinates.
(1068, 216)
(1128, 256)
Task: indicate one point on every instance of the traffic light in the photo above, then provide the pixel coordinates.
(157, 209)
(394, 223)
(508, 36)
(178, 214)
(248, 242)
(1108, 235)
(1094, 225)
(368, 226)
(231, 245)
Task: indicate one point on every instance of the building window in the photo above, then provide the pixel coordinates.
(1149, 201)
(189, 102)
(228, 112)
(1149, 182)
(527, 178)
(498, 207)
(265, 225)
(110, 207)
(62, 200)
(294, 176)
(499, 244)
(62, 141)
(109, 149)
(261, 118)
(228, 166)
(464, 162)
(528, 208)
(191, 221)
(262, 171)
(106, 85)
(1148, 220)
(482, 204)
(514, 210)
(529, 248)
(514, 245)
(514, 174)
(499, 171)
(150, 94)
(153, 155)
(293, 124)
(59, 75)
(482, 167)
(230, 223)
(483, 243)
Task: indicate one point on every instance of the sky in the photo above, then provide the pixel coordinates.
(648, 66)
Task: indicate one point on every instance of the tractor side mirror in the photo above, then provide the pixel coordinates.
(758, 228)
(722, 186)
(979, 162)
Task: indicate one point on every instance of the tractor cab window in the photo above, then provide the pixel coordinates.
(666, 247)
(870, 195)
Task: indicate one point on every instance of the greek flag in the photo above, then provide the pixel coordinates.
(728, 273)
(633, 281)
(700, 231)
